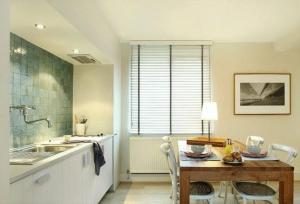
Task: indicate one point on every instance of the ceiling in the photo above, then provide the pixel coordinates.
(216, 20)
(59, 37)
(100, 22)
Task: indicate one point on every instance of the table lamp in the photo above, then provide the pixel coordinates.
(209, 112)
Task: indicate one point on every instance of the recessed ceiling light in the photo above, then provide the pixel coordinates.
(20, 51)
(76, 51)
(40, 26)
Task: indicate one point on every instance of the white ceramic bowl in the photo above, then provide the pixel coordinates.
(197, 148)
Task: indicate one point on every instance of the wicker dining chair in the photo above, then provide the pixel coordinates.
(259, 191)
(198, 190)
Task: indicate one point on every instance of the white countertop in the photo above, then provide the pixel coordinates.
(18, 172)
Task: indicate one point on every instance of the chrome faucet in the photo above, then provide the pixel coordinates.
(24, 109)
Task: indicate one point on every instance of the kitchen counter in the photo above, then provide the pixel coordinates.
(18, 172)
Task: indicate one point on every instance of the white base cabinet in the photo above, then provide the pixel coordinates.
(45, 186)
(100, 184)
(71, 181)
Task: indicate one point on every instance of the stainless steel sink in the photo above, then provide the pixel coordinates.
(51, 148)
(35, 153)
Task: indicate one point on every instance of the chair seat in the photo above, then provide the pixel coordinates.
(201, 188)
(253, 189)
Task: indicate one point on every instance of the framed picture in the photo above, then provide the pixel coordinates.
(262, 94)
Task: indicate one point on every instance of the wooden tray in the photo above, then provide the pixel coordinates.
(203, 140)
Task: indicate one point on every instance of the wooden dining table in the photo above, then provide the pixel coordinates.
(264, 170)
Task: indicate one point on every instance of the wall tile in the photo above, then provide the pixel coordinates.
(41, 79)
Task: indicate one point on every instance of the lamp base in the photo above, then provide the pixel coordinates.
(203, 140)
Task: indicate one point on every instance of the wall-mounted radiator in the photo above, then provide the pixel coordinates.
(145, 155)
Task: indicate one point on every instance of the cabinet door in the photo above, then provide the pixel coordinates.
(20, 192)
(47, 187)
(74, 188)
(106, 173)
(43, 187)
(87, 179)
(16, 192)
(100, 184)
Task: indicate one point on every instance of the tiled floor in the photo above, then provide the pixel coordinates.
(158, 193)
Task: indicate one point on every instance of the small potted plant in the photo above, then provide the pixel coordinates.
(81, 127)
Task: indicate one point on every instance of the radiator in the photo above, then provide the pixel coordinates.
(146, 156)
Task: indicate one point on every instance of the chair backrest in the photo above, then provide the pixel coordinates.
(256, 139)
(290, 151)
(172, 164)
(167, 139)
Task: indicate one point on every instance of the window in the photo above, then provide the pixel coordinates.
(168, 85)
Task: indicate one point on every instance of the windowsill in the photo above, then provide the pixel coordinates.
(172, 135)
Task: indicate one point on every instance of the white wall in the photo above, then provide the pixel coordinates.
(97, 95)
(226, 60)
(93, 96)
(124, 140)
(5, 100)
(117, 123)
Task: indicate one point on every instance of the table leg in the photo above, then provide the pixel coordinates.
(184, 188)
(286, 188)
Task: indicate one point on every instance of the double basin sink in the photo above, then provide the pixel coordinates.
(36, 153)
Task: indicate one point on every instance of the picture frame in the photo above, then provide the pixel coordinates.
(262, 93)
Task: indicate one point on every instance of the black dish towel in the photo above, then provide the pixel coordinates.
(98, 157)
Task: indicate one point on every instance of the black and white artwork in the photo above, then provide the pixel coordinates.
(262, 93)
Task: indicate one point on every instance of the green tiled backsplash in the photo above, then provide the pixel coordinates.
(40, 79)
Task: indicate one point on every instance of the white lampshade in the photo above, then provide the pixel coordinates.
(209, 111)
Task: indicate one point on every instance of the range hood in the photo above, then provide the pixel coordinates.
(84, 58)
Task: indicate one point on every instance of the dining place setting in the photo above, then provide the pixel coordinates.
(234, 153)
(242, 166)
(199, 153)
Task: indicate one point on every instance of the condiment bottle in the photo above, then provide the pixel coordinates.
(228, 147)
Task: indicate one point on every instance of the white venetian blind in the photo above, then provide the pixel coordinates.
(168, 87)
(190, 87)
